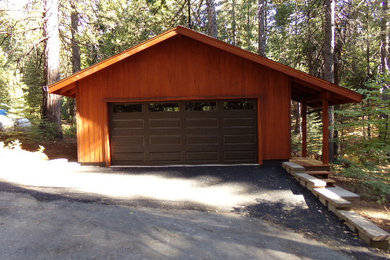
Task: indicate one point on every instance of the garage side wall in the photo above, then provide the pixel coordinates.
(183, 69)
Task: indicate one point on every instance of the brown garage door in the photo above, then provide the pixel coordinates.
(188, 132)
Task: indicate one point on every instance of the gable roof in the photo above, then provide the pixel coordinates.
(304, 87)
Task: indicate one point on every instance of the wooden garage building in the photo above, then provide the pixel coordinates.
(186, 98)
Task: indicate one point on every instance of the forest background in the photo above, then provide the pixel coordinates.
(345, 42)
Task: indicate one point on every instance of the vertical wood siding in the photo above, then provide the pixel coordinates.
(182, 68)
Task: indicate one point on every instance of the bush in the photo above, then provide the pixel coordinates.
(370, 178)
(42, 132)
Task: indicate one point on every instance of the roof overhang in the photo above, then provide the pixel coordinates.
(305, 88)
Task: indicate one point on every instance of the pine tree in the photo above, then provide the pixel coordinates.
(51, 108)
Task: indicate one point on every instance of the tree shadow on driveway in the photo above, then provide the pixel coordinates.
(69, 229)
(266, 192)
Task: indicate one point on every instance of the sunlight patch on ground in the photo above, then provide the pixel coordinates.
(31, 171)
(131, 186)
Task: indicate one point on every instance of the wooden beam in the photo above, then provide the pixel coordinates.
(304, 129)
(66, 89)
(312, 99)
(325, 131)
(78, 123)
(259, 133)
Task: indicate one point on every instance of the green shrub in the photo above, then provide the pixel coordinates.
(42, 132)
(69, 130)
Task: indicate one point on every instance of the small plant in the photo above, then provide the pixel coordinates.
(41, 149)
(15, 145)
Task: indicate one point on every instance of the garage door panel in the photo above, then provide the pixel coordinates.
(128, 148)
(239, 122)
(239, 147)
(240, 156)
(240, 139)
(119, 132)
(126, 116)
(203, 123)
(130, 156)
(163, 148)
(202, 157)
(165, 123)
(165, 139)
(202, 139)
(129, 124)
(128, 140)
(165, 156)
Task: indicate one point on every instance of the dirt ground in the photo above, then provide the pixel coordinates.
(377, 213)
(55, 150)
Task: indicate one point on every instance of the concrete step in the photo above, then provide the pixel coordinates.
(309, 181)
(343, 193)
(293, 168)
(368, 232)
(331, 199)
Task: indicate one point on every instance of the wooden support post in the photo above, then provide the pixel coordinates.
(325, 131)
(304, 129)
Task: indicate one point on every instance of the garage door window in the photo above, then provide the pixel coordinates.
(126, 108)
(164, 107)
(201, 106)
(239, 105)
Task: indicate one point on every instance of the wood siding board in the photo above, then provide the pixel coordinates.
(88, 111)
(78, 124)
(100, 125)
(83, 129)
(92, 131)
(106, 136)
(288, 119)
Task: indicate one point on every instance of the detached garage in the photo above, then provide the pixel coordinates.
(186, 98)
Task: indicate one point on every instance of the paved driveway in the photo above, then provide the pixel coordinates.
(57, 210)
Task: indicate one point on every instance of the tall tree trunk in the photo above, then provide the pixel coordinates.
(212, 18)
(76, 64)
(368, 71)
(384, 66)
(51, 109)
(384, 55)
(189, 14)
(329, 42)
(234, 23)
(74, 17)
(261, 25)
(309, 53)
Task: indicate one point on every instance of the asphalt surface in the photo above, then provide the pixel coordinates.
(236, 212)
